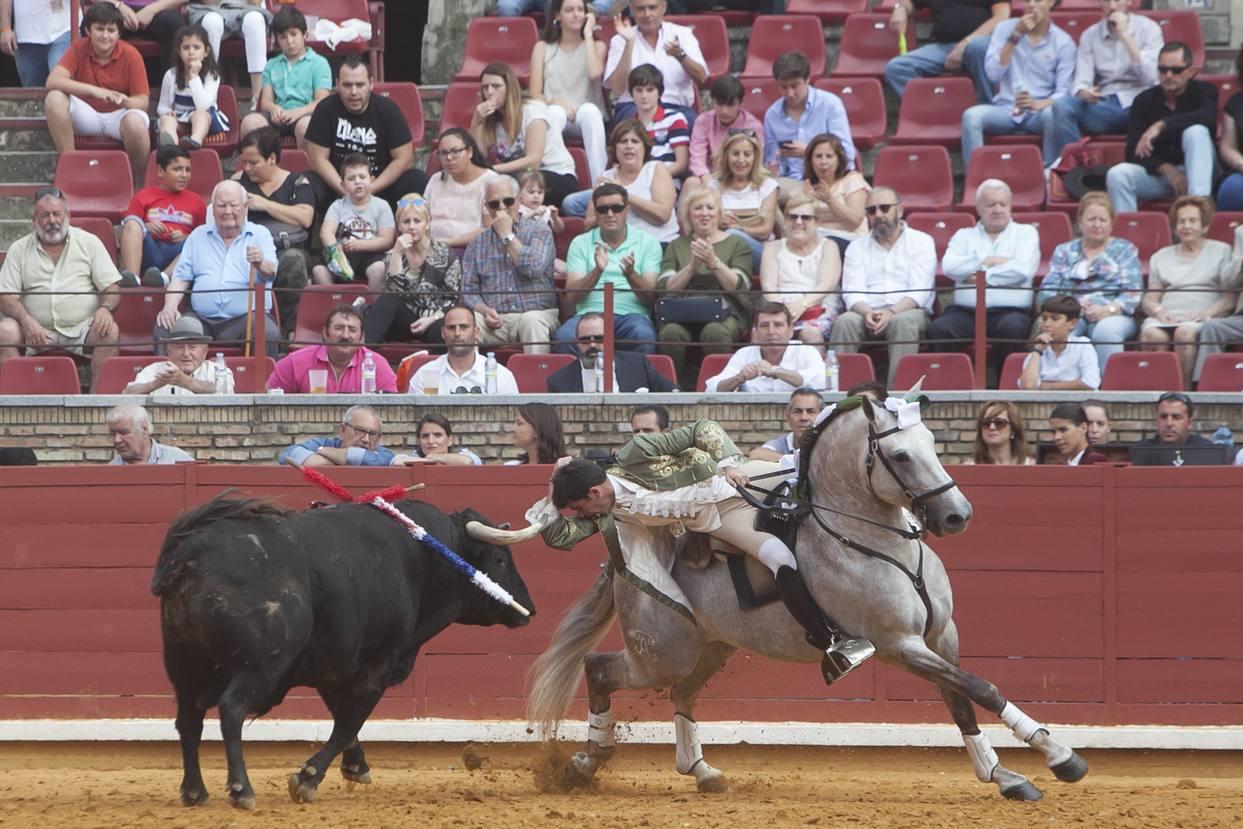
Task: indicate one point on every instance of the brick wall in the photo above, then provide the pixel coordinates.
(254, 430)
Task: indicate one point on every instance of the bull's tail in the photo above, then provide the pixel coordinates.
(175, 555)
(554, 676)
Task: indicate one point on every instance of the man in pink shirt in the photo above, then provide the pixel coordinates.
(340, 357)
(712, 128)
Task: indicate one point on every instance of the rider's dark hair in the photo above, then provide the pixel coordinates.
(572, 481)
(662, 414)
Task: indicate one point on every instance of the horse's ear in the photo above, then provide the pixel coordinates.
(865, 403)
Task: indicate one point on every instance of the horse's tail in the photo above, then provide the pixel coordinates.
(554, 676)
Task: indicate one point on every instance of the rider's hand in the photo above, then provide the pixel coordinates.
(735, 476)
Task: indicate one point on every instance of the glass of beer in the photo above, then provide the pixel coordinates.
(318, 379)
(431, 380)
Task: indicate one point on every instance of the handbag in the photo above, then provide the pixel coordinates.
(286, 236)
(691, 310)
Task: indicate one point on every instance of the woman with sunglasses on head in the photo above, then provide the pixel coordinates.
(802, 271)
(748, 193)
(455, 197)
(436, 446)
(841, 194)
(999, 438)
(537, 432)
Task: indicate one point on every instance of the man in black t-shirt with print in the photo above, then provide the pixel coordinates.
(960, 34)
(354, 121)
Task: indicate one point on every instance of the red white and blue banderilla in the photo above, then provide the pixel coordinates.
(380, 499)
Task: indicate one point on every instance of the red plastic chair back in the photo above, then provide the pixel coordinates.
(135, 319)
(118, 372)
(758, 94)
(1224, 225)
(245, 380)
(830, 12)
(941, 227)
(922, 176)
(931, 111)
(853, 369)
(1054, 229)
(868, 44)
(663, 364)
(1222, 372)
(406, 96)
(531, 370)
(295, 161)
(205, 172)
(1075, 22)
(101, 229)
(941, 372)
(507, 40)
(224, 144)
(574, 226)
(775, 34)
(313, 307)
(1142, 371)
(1182, 25)
(337, 11)
(1149, 232)
(712, 365)
(864, 99)
(710, 31)
(409, 367)
(96, 182)
(1011, 371)
(1020, 167)
(461, 98)
(39, 375)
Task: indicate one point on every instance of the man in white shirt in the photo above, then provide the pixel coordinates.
(801, 412)
(462, 369)
(887, 282)
(777, 365)
(1008, 253)
(1117, 60)
(1059, 360)
(187, 370)
(671, 48)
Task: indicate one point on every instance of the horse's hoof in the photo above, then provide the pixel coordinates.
(242, 800)
(354, 775)
(582, 769)
(300, 792)
(1071, 770)
(197, 798)
(713, 784)
(1023, 791)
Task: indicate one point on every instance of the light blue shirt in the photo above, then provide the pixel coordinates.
(1006, 283)
(354, 456)
(210, 268)
(1045, 70)
(824, 112)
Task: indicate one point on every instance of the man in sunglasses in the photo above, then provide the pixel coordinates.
(507, 274)
(357, 444)
(887, 283)
(631, 372)
(1169, 142)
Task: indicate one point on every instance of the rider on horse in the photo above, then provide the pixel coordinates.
(686, 479)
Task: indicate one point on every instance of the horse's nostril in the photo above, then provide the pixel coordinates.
(954, 520)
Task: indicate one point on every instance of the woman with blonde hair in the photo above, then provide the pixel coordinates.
(748, 192)
(999, 437)
(802, 271)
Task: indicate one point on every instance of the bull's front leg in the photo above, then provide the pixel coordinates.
(350, 709)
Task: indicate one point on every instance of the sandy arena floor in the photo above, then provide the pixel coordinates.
(108, 786)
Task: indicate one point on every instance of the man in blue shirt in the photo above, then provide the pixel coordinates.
(219, 258)
(357, 444)
(802, 113)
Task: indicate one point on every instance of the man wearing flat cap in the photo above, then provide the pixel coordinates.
(187, 370)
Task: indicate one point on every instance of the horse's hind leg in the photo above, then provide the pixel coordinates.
(690, 759)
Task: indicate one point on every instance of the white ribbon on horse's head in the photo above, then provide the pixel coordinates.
(825, 414)
(907, 413)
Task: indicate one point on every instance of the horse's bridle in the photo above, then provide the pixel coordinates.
(875, 451)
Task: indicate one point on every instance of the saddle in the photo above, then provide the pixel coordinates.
(779, 514)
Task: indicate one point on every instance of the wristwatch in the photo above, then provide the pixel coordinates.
(508, 238)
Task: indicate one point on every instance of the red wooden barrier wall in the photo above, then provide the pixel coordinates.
(1095, 595)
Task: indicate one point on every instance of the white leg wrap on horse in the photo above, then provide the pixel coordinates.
(982, 756)
(600, 729)
(1023, 726)
(688, 749)
(774, 554)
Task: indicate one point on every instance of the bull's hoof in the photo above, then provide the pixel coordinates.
(1071, 770)
(193, 798)
(356, 774)
(713, 784)
(1023, 791)
(301, 791)
(242, 798)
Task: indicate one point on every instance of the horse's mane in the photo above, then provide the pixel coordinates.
(811, 435)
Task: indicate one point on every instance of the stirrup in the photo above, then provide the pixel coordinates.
(844, 656)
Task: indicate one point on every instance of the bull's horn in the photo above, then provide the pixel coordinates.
(495, 535)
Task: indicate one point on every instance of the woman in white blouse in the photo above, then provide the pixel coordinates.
(748, 192)
(802, 271)
(455, 195)
(648, 184)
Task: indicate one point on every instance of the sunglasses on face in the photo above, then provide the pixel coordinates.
(1172, 70)
(464, 390)
(801, 217)
(495, 204)
(592, 338)
(883, 208)
(995, 423)
(610, 208)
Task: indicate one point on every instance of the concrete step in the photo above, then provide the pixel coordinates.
(11, 230)
(21, 104)
(25, 133)
(22, 166)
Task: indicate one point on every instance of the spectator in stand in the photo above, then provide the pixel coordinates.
(631, 372)
(1060, 360)
(339, 357)
(1032, 63)
(887, 283)
(1008, 253)
(1230, 144)
(507, 275)
(748, 193)
(293, 83)
(1102, 273)
(1169, 141)
(58, 288)
(1099, 432)
(435, 436)
(1176, 423)
(357, 230)
(774, 363)
(153, 20)
(801, 412)
(218, 259)
(802, 271)
(461, 370)
(158, 221)
(669, 130)
(1217, 334)
(187, 369)
(356, 121)
(649, 420)
(802, 113)
(567, 67)
(726, 118)
(960, 38)
(100, 88)
(518, 131)
(1190, 282)
(1117, 60)
(130, 428)
(840, 193)
(650, 190)
(538, 433)
(650, 39)
(357, 443)
(284, 203)
(517, 8)
(248, 18)
(455, 196)
(424, 278)
(705, 259)
(616, 253)
(999, 438)
(188, 93)
(37, 39)
(1070, 436)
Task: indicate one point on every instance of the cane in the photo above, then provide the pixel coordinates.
(250, 312)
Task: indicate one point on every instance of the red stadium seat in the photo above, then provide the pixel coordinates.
(102, 228)
(574, 226)
(864, 99)
(712, 365)
(941, 372)
(96, 182)
(1222, 372)
(460, 101)
(406, 96)
(245, 380)
(1182, 25)
(507, 40)
(1147, 231)
(775, 34)
(531, 370)
(205, 172)
(663, 364)
(853, 369)
(931, 111)
(868, 44)
(118, 372)
(337, 11)
(580, 166)
(135, 319)
(224, 144)
(1223, 227)
(1011, 371)
(1142, 371)
(710, 31)
(830, 12)
(1019, 167)
(1098, 153)
(39, 375)
(313, 307)
(941, 227)
(922, 176)
(758, 94)
(1075, 22)
(1054, 229)
(295, 161)
(409, 367)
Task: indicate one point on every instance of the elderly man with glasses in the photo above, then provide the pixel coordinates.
(887, 282)
(357, 444)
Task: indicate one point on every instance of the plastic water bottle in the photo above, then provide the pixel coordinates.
(222, 374)
(599, 370)
(489, 374)
(1223, 436)
(830, 371)
(368, 382)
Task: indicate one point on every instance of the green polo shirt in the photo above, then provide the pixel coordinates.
(295, 84)
(582, 259)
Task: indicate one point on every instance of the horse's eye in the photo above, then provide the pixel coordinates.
(902, 457)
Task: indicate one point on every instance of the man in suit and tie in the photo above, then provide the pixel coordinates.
(631, 370)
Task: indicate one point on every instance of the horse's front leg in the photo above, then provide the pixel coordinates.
(689, 753)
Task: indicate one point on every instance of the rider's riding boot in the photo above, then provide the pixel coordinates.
(842, 654)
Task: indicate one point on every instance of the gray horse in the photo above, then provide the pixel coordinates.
(868, 463)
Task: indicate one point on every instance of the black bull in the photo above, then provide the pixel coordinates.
(256, 599)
